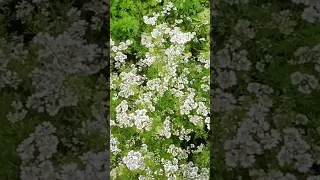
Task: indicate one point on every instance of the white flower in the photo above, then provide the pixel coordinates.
(310, 14)
(142, 120)
(243, 26)
(227, 79)
(151, 20)
(134, 160)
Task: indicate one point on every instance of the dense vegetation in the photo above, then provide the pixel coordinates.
(265, 73)
(53, 90)
(160, 89)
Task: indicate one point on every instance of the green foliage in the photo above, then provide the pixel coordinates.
(169, 115)
(127, 22)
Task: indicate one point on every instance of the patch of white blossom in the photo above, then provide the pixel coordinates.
(57, 59)
(159, 78)
(134, 160)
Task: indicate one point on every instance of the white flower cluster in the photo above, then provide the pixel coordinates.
(284, 22)
(243, 27)
(306, 54)
(306, 83)
(11, 50)
(44, 143)
(182, 133)
(37, 150)
(179, 37)
(129, 81)
(228, 60)
(206, 62)
(193, 172)
(178, 152)
(189, 104)
(165, 131)
(100, 9)
(254, 134)
(24, 9)
(311, 12)
(260, 65)
(122, 118)
(166, 10)
(134, 160)
(156, 100)
(223, 101)
(151, 20)
(119, 57)
(295, 149)
(141, 119)
(113, 145)
(171, 168)
(60, 60)
(19, 112)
